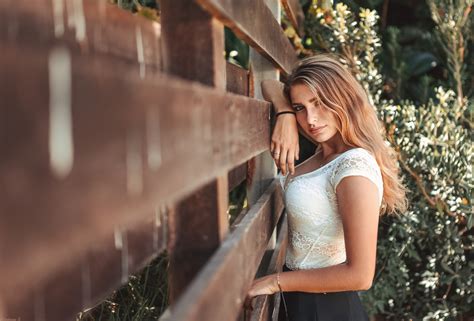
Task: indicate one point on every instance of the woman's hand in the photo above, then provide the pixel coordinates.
(284, 144)
(266, 285)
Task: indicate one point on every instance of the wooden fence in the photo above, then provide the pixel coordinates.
(122, 137)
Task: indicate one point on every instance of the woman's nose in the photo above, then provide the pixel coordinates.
(311, 116)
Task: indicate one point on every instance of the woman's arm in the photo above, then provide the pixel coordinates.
(272, 90)
(284, 144)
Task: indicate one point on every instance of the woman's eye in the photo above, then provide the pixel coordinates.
(298, 108)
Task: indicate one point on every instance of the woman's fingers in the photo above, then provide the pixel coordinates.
(284, 158)
(276, 154)
(291, 161)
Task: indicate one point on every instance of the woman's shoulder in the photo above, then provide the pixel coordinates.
(358, 153)
(357, 160)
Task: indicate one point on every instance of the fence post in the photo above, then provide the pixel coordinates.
(262, 167)
(193, 48)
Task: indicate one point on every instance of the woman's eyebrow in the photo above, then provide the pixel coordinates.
(311, 100)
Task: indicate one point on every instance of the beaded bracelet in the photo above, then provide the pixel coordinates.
(285, 112)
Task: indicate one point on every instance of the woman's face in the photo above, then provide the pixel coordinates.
(311, 116)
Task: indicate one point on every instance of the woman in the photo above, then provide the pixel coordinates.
(333, 199)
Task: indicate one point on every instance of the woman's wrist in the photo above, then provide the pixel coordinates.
(281, 104)
(277, 282)
(285, 112)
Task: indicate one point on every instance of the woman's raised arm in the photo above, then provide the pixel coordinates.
(284, 147)
(284, 144)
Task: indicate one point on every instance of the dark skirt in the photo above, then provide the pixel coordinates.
(332, 306)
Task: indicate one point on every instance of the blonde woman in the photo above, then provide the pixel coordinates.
(334, 198)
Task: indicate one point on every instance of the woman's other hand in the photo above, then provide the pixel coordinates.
(266, 285)
(284, 145)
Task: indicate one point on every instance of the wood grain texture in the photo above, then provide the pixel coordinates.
(230, 271)
(267, 307)
(117, 118)
(201, 220)
(88, 27)
(257, 27)
(237, 79)
(86, 279)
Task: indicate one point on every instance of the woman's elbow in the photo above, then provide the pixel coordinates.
(365, 285)
(365, 282)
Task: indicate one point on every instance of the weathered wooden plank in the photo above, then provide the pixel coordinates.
(128, 156)
(192, 43)
(233, 265)
(237, 79)
(264, 33)
(237, 176)
(201, 220)
(282, 244)
(88, 278)
(86, 26)
(198, 231)
(295, 14)
(266, 306)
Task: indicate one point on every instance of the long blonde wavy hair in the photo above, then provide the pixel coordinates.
(338, 91)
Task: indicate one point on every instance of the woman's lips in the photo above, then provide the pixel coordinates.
(316, 130)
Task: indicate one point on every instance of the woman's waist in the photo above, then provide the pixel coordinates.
(302, 262)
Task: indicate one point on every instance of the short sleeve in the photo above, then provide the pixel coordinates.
(358, 164)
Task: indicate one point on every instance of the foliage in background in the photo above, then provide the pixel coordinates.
(236, 50)
(147, 8)
(424, 262)
(143, 297)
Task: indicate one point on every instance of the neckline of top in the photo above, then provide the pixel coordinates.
(325, 165)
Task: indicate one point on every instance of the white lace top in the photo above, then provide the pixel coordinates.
(316, 236)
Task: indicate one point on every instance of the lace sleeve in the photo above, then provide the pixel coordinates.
(360, 164)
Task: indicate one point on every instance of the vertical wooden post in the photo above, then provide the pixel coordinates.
(262, 167)
(193, 48)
